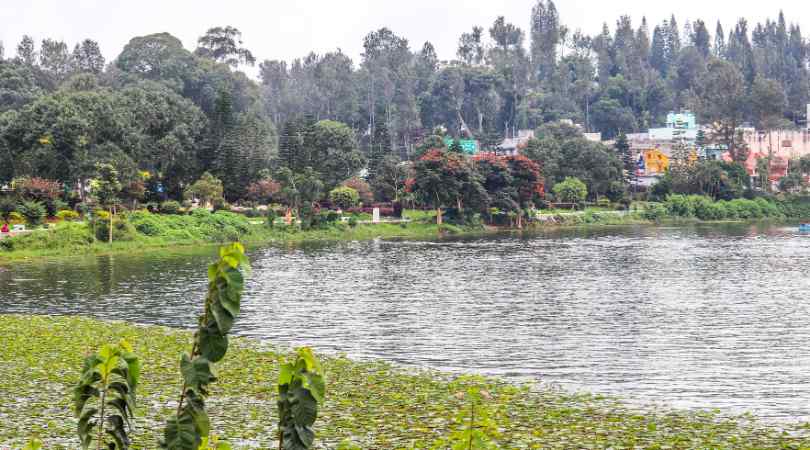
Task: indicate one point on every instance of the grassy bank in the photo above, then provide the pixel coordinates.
(144, 231)
(373, 404)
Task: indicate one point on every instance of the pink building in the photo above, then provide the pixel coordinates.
(782, 145)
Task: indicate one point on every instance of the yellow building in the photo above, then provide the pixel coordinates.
(655, 162)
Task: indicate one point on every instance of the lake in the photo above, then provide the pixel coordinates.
(691, 317)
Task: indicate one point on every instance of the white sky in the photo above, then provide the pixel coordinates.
(286, 29)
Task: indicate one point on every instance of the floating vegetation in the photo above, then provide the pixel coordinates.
(372, 405)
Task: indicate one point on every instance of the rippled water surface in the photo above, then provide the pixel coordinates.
(697, 317)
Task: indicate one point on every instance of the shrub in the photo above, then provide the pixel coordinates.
(122, 229)
(52, 206)
(67, 215)
(34, 212)
(352, 222)
(82, 208)
(253, 213)
(220, 204)
(344, 197)
(680, 206)
(66, 235)
(15, 218)
(271, 217)
(170, 207)
(7, 206)
(654, 212)
(363, 189)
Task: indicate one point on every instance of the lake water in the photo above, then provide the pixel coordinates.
(694, 317)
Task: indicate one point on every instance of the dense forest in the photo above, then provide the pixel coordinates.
(164, 115)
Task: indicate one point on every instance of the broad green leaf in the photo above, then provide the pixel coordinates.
(195, 407)
(222, 316)
(181, 434)
(196, 373)
(213, 344)
(304, 407)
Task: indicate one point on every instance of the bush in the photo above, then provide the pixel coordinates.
(344, 197)
(271, 217)
(70, 235)
(570, 190)
(122, 229)
(655, 212)
(679, 206)
(221, 205)
(55, 205)
(352, 222)
(33, 212)
(363, 189)
(170, 207)
(16, 218)
(67, 215)
(82, 208)
(7, 206)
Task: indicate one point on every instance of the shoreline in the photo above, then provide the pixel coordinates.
(374, 404)
(261, 236)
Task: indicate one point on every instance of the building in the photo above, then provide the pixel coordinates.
(511, 146)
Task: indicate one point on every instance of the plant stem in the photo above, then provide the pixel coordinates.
(101, 418)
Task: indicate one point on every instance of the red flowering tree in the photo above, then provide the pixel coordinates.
(363, 189)
(443, 179)
(264, 191)
(39, 189)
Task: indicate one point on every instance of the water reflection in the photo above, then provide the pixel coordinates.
(695, 317)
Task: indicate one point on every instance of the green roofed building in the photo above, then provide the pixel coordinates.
(470, 146)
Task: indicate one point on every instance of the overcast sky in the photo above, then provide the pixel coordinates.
(286, 29)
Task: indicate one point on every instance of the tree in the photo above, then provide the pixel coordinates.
(545, 35)
(26, 51)
(571, 190)
(700, 38)
(208, 189)
(55, 59)
(624, 152)
(389, 182)
(224, 44)
(470, 48)
(300, 190)
(264, 191)
(87, 57)
(721, 101)
(344, 197)
(106, 189)
(443, 179)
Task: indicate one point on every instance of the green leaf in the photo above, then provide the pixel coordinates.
(115, 429)
(181, 434)
(195, 407)
(316, 385)
(197, 373)
(213, 344)
(223, 318)
(304, 407)
(86, 426)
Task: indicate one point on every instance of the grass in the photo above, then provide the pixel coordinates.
(373, 404)
(154, 232)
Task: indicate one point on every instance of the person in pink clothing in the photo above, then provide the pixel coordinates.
(4, 229)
